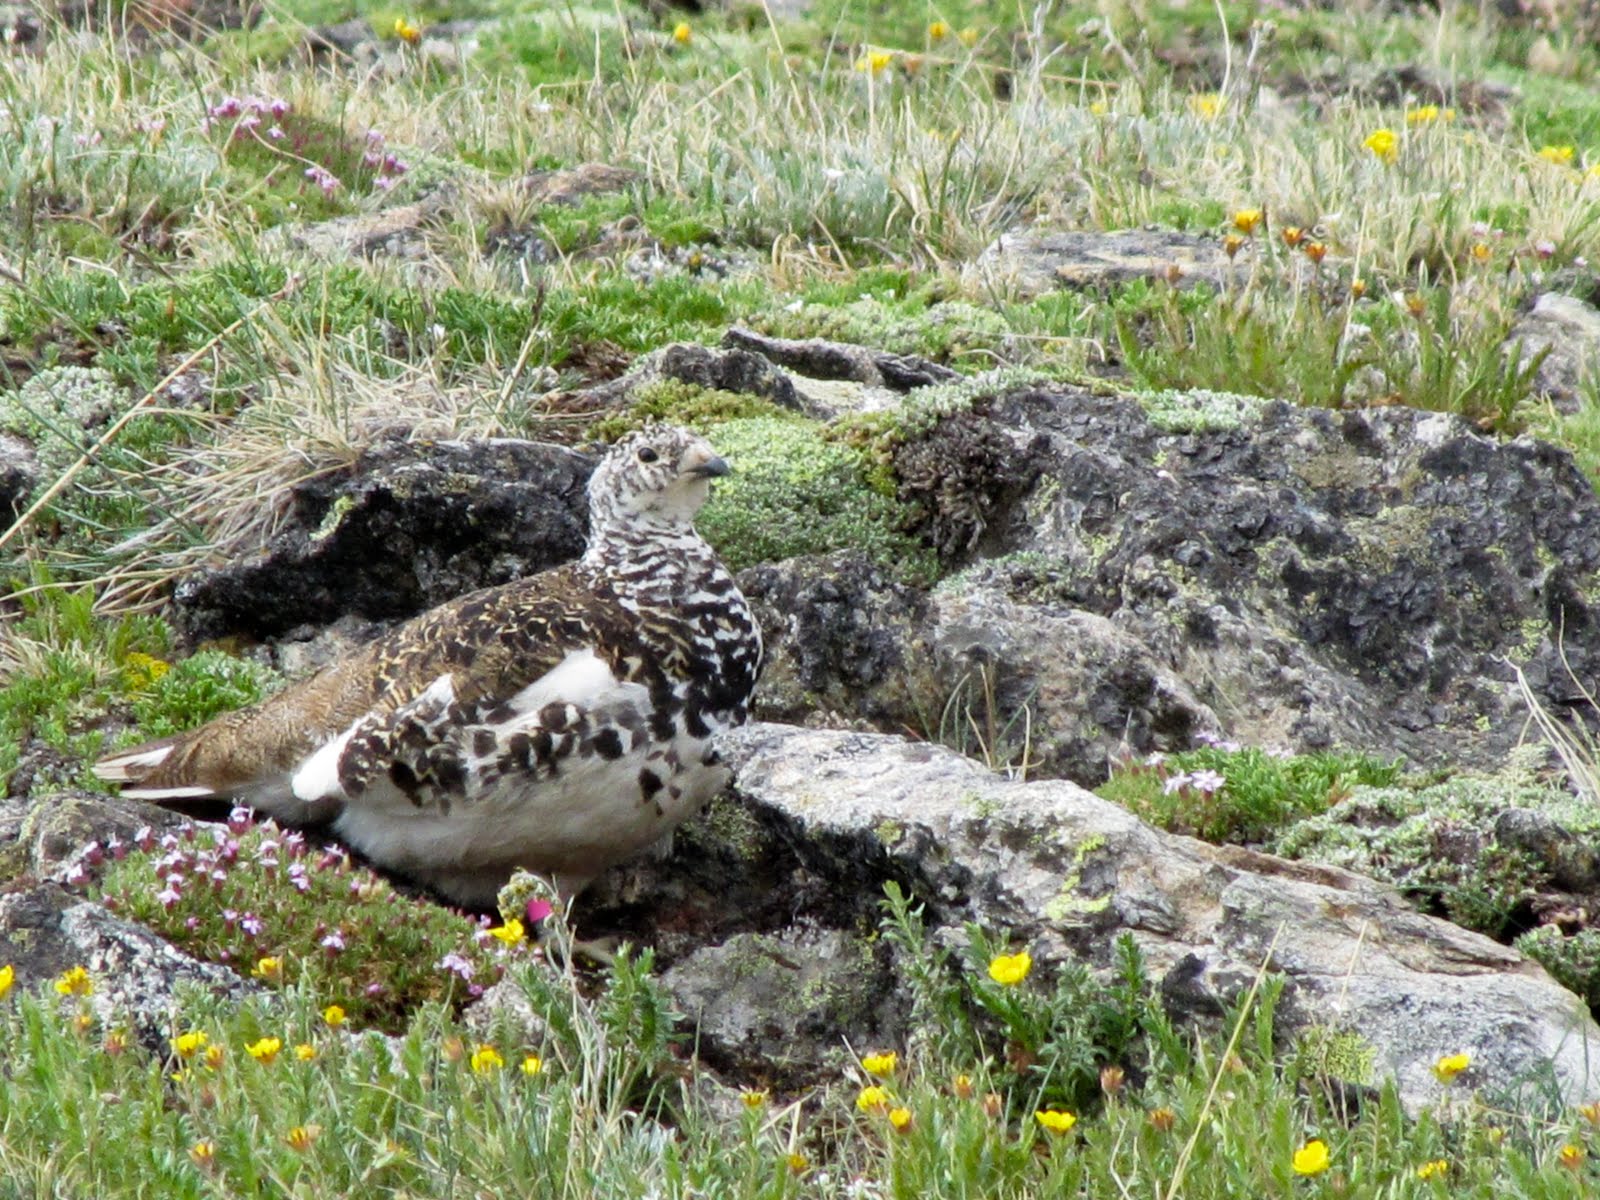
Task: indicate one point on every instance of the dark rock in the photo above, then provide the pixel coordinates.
(960, 477)
(821, 359)
(842, 639)
(1297, 577)
(19, 475)
(700, 366)
(409, 526)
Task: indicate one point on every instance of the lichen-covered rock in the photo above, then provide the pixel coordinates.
(1301, 578)
(766, 901)
(60, 411)
(138, 978)
(409, 526)
(38, 835)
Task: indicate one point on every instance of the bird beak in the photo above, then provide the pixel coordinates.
(705, 468)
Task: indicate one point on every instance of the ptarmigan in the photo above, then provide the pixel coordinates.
(561, 723)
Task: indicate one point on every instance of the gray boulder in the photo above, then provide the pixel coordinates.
(765, 918)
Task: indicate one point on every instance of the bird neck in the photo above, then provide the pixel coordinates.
(659, 558)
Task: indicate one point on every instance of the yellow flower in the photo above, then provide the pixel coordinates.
(1572, 1156)
(265, 1051)
(1594, 171)
(875, 62)
(305, 1052)
(1560, 155)
(1590, 1112)
(1315, 251)
(508, 934)
(75, 982)
(203, 1154)
(938, 31)
(1432, 1170)
(1163, 1119)
(1099, 108)
(969, 36)
(301, 1137)
(1384, 144)
(214, 1056)
(8, 976)
(1312, 1158)
(485, 1059)
(406, 31)
(1451, 1065)
(753, 1099)
(116, 1042)
(1246, 220)
(187, 1045)
(269, 967)
(1207, 106)
(682, 34)
(796, 1162)
(1425, 115)
(1480, 252)
(872, 1099)
(1358, 288)
(961, 1085)
(1055, 1122)
(1010, 969)
(1232, 244)
(333, 1016)
(533, 1065)
(900, 1118)
(880, 1064)
(139, 671)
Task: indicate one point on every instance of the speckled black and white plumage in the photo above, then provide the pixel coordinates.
(561, 723)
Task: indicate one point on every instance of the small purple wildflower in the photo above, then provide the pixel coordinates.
(1544, 248)
(276, 133)
(76, 875)
(144, 838)
(191, 923)
(456, 964)
(334, 942)
(117, 848)
(226, 109)
(168, 896)
(324, 179)
(239, 820)
(1174, 783)
(1207, 781)
(251, 924)
(279, 107)
(94, 854)
(1154, 759)
(298, 879)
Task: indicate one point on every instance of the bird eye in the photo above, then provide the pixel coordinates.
(647, 455)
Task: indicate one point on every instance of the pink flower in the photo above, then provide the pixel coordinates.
(239, 820)
(538, 909)
(168, 896)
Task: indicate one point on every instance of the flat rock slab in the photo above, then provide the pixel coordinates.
(1566, 330)
(828, 816)
(1033, 262)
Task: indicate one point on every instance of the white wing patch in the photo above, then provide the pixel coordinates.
(317, 778)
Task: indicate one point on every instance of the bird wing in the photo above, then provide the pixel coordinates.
(490, 645)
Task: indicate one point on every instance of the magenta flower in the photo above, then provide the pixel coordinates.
(538, 909)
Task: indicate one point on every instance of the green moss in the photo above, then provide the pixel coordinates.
(946, 331)
(685, 404)
(1199, 410)
(200, 687)
(1261, 792)
(1574, 960)
(793, 491)
(1324, 1052)
(1438, 841)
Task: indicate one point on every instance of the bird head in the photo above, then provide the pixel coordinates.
(659, 475)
